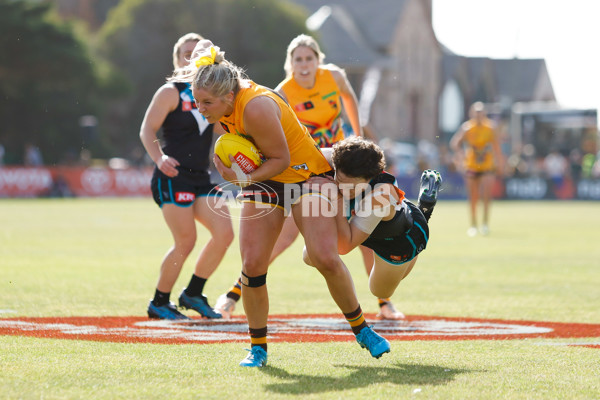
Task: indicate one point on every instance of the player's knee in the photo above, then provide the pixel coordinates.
(185, 243)
(252, 265)
(253, 281)
(326, 262)
(380, 292)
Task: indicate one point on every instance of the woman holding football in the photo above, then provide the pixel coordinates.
(224, 94)
(182, 189)
(317, 93)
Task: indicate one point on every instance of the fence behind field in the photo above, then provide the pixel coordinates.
(16, 182)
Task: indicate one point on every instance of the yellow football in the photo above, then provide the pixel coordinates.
(243, 151)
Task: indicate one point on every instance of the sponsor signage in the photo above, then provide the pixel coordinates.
(104, 181)
(74, 181)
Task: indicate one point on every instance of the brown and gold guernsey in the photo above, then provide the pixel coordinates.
(479, 139)
(318, 108)
(306, 159)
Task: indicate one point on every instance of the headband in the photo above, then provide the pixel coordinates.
(207, 60)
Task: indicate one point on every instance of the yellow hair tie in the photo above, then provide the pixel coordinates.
(207, 60)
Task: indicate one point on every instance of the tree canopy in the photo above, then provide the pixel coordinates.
(52, 73)
(139, 35)
(47, 82)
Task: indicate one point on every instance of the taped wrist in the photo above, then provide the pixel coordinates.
(253, 281)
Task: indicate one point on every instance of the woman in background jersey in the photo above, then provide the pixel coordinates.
(316, 92)
(223, 94)
(182, 189)
(477, 148)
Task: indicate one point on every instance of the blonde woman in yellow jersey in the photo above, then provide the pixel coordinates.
(317, 92)
(477, 148)
(227, 98)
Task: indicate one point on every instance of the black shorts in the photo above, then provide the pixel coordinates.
(180, 191)
(399, 249)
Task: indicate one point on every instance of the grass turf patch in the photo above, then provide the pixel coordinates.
(100, 257)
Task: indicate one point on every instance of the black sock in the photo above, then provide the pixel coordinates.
(195, 287)
(161, 298)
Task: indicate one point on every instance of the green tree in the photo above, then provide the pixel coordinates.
(47, 82)
(138, 39)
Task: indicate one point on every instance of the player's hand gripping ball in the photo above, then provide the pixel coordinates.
(243, 151)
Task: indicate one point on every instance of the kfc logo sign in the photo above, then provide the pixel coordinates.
(184, 196)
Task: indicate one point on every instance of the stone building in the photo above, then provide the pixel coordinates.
(411, 87)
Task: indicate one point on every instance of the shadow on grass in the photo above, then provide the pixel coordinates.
(400, 374)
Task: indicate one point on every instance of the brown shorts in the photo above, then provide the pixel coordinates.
(278, 194)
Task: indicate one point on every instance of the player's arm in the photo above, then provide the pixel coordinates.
(375, 207)
(163, 102)
(498, 156)
(279, 89)
(456, 145)
(262, 120)
(457, 139)
(349, 100)
(349, 236)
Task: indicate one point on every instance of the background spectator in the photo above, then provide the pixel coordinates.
(33, 156)
(555, 167)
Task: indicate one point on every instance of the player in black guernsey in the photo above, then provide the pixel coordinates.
(182, 188)
(372, 211)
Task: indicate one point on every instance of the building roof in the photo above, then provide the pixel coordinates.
(342, 41)
(451, 64)
(516, 78)
(354, 31)
(513, 79)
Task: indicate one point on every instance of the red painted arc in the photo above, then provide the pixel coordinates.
(73, 328)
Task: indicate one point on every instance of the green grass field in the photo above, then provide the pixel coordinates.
(100, 257)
